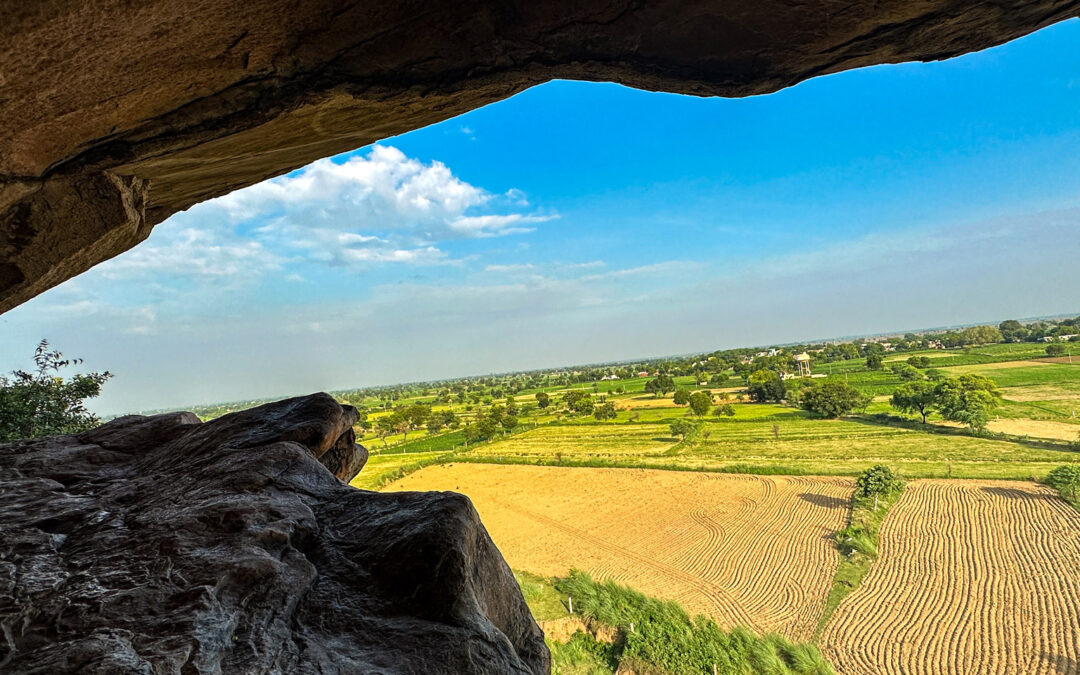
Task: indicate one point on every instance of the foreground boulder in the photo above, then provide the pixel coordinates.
(164, 545)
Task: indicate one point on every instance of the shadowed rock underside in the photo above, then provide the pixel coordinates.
(116, 115)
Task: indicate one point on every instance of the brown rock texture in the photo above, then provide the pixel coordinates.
(115, 115)
(162, 545)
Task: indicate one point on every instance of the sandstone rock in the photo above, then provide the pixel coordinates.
(115, 115)
(162, 545)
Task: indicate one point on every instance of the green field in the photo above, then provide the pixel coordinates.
(778, 438)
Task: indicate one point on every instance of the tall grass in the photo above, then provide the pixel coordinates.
(858, 544)
(660, 637)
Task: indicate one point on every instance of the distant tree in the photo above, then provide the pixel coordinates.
(875, 360)
(906, 372)
(765, 385)
(1066, 480)
(605, 411)
(832, 398)
(511, 406)
(509, 422)
(969, 399)
(1012, 330)
(402, 426)
(915, 398)
(1055, 349)
(664, 384)
(877, 481)
(42, 403)
(682, 396)
(700, 403)
(682, 428)
(483, 429)
(435, 424)
(919, 361)
(724, 410)
(980, 335)
(384, 426)
(543, 400)
(579, 401)
(718, 379)
(362, 421)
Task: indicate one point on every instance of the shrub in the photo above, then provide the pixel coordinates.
(43, 404)
(1066, 480)
(877, 481)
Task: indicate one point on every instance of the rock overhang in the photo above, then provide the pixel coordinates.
(117, 116)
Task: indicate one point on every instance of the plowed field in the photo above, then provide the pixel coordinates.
(973, 577)
(754, 551)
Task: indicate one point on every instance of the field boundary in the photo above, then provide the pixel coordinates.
(855, 565)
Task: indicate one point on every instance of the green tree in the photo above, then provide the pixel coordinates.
(682, 397)
(542, 400)
(1066, 480)
(700, 403)
(969, 399)
(42, 403)
(681, 428)
(605, 411)
(906, 372)
(877, 481)
(718, 379)
(509, 422)
(765, 385)
(724, 410)
(832, 398)
(1055, 350)
(915, 398)
(875, 360)
(664, 384)
(919, 361)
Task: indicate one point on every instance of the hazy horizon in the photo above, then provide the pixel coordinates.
(583, 222)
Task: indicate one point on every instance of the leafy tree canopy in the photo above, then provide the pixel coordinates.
(832, 398)
(42, 403)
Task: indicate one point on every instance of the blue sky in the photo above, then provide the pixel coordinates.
(582, 222)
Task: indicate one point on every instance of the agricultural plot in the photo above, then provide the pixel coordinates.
(380, 468)
(793, 442)
(973, 577)
(754, 551)
(586, 440)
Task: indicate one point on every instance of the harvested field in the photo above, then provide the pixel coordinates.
(973, 577)
(1062, 431)
(1000, 365)
(582, 440)
(754, 551)
(1072, 360)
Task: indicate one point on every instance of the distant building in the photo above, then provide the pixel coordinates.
(802, 363)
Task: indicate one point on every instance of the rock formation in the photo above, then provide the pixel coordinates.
(163, 545)
(114, 115)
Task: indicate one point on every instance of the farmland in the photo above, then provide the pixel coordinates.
(974, 577)
(735, 515)
(745, 550)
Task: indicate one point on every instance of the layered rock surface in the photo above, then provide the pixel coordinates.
(164, 545)
(114, 115)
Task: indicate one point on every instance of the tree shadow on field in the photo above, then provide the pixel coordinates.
(1065, 665)
(824, 501)
(1013, 493)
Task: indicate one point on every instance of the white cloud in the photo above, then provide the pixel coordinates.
(193, 253)
(382, 192)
